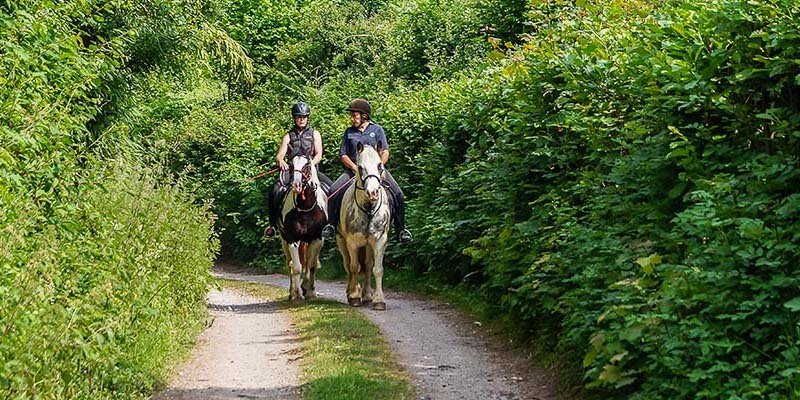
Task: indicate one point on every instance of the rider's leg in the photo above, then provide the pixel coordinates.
(334, 203)
(398, 209)
(272, 203)
(325, 181)
(276, 193)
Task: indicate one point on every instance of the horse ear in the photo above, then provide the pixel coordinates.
(360, 147)
(379, 147)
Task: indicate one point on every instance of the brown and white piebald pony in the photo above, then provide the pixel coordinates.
(363, 230)
(303, 215)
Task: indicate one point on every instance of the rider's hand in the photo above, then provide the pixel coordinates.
(283, 165)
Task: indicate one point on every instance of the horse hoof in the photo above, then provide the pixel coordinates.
(379, 306)
(354, 302)
(366, 301)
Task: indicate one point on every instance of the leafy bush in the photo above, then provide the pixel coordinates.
(622, 181)
(103, 260)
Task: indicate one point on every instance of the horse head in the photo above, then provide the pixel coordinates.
(369, 176)
(303, 174)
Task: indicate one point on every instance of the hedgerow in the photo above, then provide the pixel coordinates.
(623, 182)
(104, 256)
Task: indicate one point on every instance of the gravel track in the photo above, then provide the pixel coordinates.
(249, 352)
(447, 356)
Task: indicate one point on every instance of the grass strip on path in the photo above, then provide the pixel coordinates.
(344, 355)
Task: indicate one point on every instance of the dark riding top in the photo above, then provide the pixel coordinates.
(373, 135)
(301, 143)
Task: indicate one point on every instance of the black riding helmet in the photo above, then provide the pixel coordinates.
(360, 105)
(301, 109)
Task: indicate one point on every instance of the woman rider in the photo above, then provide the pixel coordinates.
(300, 140)
(369, 133)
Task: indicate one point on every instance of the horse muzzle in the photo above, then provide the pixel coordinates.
(373, 195)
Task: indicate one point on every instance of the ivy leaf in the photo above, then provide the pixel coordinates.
(648, 263)
(611, 373)
(793, 304)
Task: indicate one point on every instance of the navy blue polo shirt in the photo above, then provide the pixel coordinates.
(372, 135)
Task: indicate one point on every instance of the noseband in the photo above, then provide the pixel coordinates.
(305, 172)
(370, 213)
(364, 181)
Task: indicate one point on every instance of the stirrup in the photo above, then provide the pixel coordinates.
(404, 236)
(270, 232)
(328, 232)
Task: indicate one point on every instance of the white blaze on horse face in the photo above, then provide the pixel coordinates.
(369, 164)
(298, 162)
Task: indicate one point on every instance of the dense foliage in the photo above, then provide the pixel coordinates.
(104, 257)
(626, 183)
(619, 178)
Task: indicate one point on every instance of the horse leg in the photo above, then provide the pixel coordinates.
(353, 287)
(377, 270)
(295, 268)
(342, 245)
(287, 255)
(367, 292)
(312, 264)
(303, 250)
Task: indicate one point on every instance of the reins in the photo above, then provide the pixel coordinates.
(342, 187)
(316, 204)
(371, 213)
(306, 183)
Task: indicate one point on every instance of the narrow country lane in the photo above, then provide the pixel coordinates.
(448, 356)
(249, 352)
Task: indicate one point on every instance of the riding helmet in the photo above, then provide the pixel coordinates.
(301, 109)
(361, 106)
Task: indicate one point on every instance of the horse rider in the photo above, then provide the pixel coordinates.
(304, 140)
(366, 132)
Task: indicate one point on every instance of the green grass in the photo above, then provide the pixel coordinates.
(344, 355)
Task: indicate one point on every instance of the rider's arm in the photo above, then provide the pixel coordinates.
(383, 145)
(349, 163)
(384, 156)
(282, 153)
(317, 148)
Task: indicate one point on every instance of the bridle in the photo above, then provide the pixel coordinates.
(370, 213)
(364, 179)
(305, 172)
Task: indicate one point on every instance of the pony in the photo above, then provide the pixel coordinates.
(363, 230)
(303, 215)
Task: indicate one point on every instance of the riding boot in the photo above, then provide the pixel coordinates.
(398, 209)
(403, 234)
(328, 232)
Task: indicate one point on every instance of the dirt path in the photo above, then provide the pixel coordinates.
(448, 356)
(247, 353)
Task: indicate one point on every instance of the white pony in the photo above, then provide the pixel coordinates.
(304, 214)
(363, 230)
